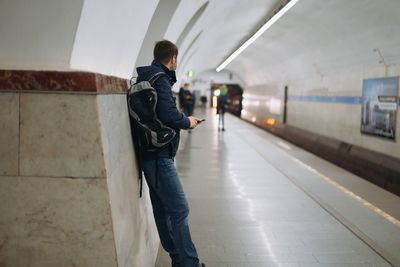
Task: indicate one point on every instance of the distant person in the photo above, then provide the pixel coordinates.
(170, 206)
(192, 105)
(187, 99)
(182, 95)
(203, 100)
(222, 104)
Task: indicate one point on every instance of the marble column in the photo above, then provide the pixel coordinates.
(69, 191)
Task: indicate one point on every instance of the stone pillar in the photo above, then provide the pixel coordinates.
(69, 191)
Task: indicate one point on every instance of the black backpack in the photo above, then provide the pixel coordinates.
(149, 134)
(142, 101)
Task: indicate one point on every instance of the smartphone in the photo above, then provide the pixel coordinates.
(200, 121)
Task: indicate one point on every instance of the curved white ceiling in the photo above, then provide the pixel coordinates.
(314, 38)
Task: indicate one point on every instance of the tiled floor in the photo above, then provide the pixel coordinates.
(253, 204)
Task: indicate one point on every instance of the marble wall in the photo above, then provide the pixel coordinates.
(60, 136)
(45, 81)
(53, 221)
(9, 133)
(69, 189)
(135, 232)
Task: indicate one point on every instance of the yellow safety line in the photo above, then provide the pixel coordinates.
(348, 192)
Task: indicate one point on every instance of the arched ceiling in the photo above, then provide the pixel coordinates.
(225, 24)
(314, 38)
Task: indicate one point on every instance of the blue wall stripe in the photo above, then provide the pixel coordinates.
(327, 99)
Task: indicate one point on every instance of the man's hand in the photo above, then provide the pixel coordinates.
(193, 122)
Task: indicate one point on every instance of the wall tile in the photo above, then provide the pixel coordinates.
(51, 222)
(135, 232)
(9, 133)
(60, 136)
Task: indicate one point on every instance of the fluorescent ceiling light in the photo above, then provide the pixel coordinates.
(255, 36)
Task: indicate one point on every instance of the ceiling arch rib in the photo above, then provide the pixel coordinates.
(191, 23)
(190, 46)
(156, 30)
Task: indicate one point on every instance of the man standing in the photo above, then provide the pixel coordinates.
(182, 96)
(186, 100)
(169, 203)
(222, 104)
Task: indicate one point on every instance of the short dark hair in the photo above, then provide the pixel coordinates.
(164, 50)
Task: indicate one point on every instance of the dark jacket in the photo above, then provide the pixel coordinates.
(181, 97)
(222, 103)
(166, 105)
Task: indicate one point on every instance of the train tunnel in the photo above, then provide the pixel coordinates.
(306, 171)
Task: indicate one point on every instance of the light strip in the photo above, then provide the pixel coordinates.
(255, 36)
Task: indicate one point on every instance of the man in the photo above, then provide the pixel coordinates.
(186, 100)
(169, 203)
(182, 96)
(222, 103)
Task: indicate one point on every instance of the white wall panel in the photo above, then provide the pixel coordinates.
(336, 120)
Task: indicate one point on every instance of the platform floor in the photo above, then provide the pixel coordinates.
(256, 200)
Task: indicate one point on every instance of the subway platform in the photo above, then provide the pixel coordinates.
(256, 200)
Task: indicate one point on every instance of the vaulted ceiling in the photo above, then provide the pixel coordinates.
(315, 38)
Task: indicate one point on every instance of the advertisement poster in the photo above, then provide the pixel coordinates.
(379, 107)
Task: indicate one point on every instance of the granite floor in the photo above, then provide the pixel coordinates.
(258, 201)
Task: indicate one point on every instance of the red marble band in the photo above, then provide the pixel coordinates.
(17, 80)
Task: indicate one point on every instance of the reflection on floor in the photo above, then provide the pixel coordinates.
(258, 201)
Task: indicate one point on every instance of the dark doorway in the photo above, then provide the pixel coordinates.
(235, 94)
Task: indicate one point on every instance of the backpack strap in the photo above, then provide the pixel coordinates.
(155, 77)
(152, 80)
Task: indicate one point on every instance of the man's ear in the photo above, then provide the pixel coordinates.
(173, 63)
(170, 62)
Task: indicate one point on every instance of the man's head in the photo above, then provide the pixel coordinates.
(186, 86)
(166, 52)
(223, 90)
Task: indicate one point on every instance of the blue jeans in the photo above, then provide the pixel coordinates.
(221, 120)
(171, 211)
